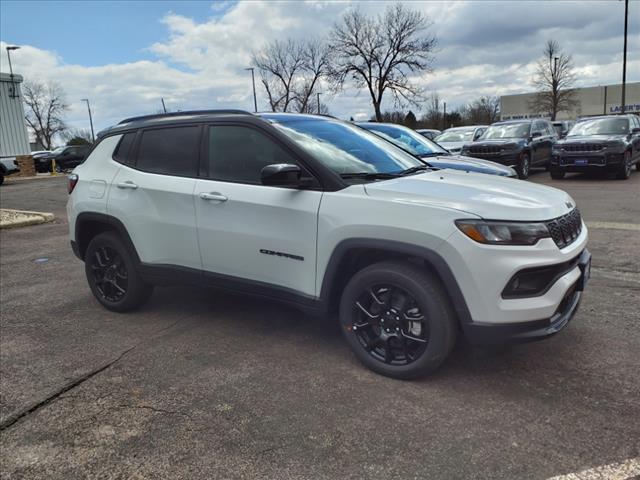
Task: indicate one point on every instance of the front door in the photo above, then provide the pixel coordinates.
(247, 230)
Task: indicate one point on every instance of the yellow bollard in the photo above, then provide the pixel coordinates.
(53, 167)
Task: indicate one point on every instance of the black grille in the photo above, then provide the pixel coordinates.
(485, 149)
(589, 147)
(564, 230)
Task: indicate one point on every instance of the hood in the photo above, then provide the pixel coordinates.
(591, 139)
(487, 196)
(468, 164)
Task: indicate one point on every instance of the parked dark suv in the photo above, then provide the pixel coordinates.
(522, 144)
(66, 158)
(609, 144)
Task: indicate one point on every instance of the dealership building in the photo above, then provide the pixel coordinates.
(604, 100)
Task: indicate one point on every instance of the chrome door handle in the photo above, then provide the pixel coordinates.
(127, 184)
(218, 197)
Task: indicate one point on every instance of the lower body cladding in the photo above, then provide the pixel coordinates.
(552, 282)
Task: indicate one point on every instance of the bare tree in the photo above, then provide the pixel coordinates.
(482, 111)
(77, 136)
(380, 53)
(291, 72)
(432, 118)
(45, 109)
(554, 79)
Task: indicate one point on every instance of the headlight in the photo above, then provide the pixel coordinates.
(503, 233)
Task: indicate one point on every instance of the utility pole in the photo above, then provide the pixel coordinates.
(253, 81)
(444, 117)
(624, 59)
(318, 95)
(13, 85)
(163, 106)
(93, 138)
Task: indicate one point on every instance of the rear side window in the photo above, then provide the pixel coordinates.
(170, 151)
(238, 154)
(123, 151)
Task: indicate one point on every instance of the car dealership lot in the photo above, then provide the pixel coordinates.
(201, 383)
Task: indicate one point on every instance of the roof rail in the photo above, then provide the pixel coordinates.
(186, 112)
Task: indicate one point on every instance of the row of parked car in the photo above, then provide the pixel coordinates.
(608, 144)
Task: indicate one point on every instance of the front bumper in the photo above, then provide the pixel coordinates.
(509, 159)
(492, 334)
(579, 162)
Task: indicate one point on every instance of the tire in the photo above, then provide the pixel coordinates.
(398, 293)
(1, 178)
(557, 173)
(624, 170)
(524, 166)
(58, 168)
(112, 274)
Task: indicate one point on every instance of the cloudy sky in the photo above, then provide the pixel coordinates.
(125, 56)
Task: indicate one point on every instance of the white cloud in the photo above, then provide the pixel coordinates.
(485, 49)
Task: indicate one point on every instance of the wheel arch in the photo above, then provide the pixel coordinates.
(351, 255)
(90, 224)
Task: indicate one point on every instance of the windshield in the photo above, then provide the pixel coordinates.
(601, 126)
(347, 149)
(507, 130)
(408, 139)
(455, 136)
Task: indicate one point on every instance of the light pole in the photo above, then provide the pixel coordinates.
(253, 80)
(93, 138)
(318, 96)
(13, 85)
(624, 59)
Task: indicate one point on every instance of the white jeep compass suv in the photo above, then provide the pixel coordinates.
(323, 214)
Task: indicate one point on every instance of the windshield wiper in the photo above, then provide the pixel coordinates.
(416, 169)
(370, 175)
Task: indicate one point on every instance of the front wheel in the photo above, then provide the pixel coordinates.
(397, 319)
(624, 171)
(1, 178)
(557, 173)
(58, 168)
(112, 275)
(524, 166)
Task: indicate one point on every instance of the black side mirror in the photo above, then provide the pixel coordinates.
(635, 131)
(536, 134)
(281, 175)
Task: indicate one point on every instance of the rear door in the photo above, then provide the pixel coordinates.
(153, 195)
(247, 230)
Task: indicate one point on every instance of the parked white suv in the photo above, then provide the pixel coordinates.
(325, 215)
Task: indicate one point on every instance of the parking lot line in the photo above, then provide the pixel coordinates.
(614, 225)
(627, 470)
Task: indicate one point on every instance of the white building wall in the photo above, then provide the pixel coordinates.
(605, 100)
(14, 139)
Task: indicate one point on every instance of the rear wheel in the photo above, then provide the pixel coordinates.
(397, 320)
(1, 178)
(524, 166)
(557, 173)
(624, 170)
(112, 275)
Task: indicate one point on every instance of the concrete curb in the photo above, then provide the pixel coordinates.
(28, 218)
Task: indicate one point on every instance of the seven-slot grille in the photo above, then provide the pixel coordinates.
(484, 149)
(587, 147)
(564, 230)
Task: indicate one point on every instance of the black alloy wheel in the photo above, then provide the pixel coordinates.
(625, 168)
(110, 274)
(389, 325)
(398, 319)
(524, 166)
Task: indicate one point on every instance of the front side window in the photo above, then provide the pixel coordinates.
(601, 126)
(170, 151)
(347, 149)
(238, 154)
(507, 130)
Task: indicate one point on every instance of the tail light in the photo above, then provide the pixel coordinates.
(73, 180)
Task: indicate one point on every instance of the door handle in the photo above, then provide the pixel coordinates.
(127, 184)
(215, 196)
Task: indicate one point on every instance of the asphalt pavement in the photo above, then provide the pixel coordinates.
(205, 384)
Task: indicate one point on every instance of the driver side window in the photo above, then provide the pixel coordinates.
(238, 154)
